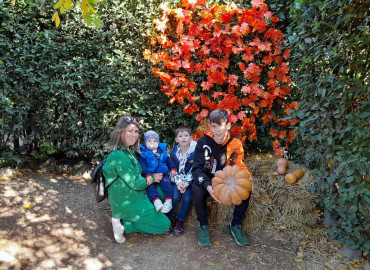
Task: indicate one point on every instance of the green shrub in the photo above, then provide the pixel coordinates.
(330, 51)
(66, 87)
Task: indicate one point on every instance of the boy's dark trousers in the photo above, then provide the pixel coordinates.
(200, 195)
(166, 187)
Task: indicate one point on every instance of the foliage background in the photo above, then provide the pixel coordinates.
(207, 59)
(62, 89)
(330, 50)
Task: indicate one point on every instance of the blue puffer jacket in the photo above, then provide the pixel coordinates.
(149, 162)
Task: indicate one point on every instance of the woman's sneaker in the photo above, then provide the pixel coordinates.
(118, 230)
(178, 228)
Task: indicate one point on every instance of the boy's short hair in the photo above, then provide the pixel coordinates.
(219, 115)
(182, 128)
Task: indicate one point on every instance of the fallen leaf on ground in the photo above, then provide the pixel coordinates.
(219, 267)
(329, 266)
(300, 254)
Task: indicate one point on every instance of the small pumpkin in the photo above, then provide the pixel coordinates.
(291, 178)
(231, 185)
(282, 164)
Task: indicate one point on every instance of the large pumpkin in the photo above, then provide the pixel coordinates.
(232, 185)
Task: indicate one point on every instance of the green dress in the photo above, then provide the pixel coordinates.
(127, 196)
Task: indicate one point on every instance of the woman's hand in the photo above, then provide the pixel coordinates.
(212, 193)
(158, 177)
(173, 173)
(149, 180)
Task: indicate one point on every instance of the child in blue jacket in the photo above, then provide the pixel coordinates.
(182, 155)
(154, 159)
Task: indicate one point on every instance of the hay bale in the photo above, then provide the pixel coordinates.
(272, 199)
(259, 211)
(293, 205)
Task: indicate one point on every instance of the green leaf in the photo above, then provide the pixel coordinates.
(350, 179)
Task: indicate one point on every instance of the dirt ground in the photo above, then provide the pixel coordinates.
(50, 221)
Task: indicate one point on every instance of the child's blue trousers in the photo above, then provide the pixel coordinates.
(185, 204)
(165, 185)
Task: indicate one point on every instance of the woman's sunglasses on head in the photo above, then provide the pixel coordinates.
(131, 119)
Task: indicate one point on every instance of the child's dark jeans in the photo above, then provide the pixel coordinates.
(185, 204)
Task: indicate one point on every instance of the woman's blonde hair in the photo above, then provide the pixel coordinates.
(115, 140)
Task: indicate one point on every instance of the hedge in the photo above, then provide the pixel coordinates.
(64, 88)
(330, 51)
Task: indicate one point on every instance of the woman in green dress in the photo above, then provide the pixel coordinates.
(131, 209)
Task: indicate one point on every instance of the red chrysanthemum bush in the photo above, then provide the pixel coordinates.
(225, 57)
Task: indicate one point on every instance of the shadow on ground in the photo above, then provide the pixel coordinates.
(52, 222)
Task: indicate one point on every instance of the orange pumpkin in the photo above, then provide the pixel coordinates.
(291, 178)
(232, 185)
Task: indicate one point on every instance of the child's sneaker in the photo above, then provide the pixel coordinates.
(203, 238)
(167, 206)
(170, 230)
(239, 236)
(158, 205)
(118, 230)
(178, 228)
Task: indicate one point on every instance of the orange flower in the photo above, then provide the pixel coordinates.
(273, 132)
(293, 122)
(198, 49)
(203, 114)
(282, 134)
(225, 17)
(233, 80)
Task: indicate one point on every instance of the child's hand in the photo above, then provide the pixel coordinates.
(149, 180)
(158, 177)
(212, 193)
(181, 187)
(173, 173)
